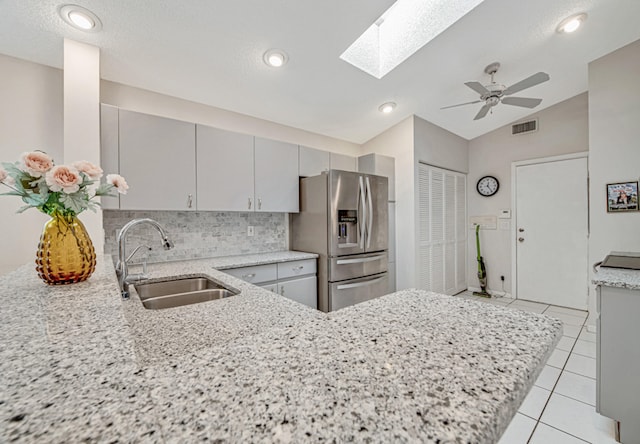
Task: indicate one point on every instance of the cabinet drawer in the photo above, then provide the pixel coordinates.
(255, 274)
(296, 268)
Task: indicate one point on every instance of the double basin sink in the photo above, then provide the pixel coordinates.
(178, 291)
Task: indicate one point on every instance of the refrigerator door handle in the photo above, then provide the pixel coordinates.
(363, 219)
(359, 261)
(370, 214)
(359, 284)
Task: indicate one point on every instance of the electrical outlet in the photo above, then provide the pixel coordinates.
(250, 231)
(502, 278)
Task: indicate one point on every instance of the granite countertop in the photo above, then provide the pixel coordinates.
(80, 364)
(617, 277)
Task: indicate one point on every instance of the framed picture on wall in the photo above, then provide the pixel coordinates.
(622, 197)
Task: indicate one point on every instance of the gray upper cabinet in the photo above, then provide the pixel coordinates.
(157, 158)
(175, 165)
(225, 170)
(276, 176)
(313, 161)
(109, 149)
(343, 162)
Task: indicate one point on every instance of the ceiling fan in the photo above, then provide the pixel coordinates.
(495, 93)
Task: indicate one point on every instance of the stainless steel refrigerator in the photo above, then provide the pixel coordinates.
(344, 219)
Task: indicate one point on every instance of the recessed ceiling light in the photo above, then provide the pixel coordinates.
(80, 18)
(570, 24)
(275, 58)
(402, 30)
(386, 108)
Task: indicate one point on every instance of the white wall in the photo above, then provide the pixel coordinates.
(149, 102)
(563, 129)
(438, 147)
(30, 118)
(397, 142)
(412, 141)
(614, 114)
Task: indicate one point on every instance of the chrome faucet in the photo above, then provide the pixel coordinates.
(122, 267)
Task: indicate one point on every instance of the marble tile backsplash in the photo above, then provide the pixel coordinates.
(196, 235)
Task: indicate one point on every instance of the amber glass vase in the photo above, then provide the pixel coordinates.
(65, 252)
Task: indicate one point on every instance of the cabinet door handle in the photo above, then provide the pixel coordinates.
(249, 206)
(190, 201)
(259, 203)
(282, 290)
(298, 268)
(249, 275)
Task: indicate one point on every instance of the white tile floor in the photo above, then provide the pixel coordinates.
(560, 408)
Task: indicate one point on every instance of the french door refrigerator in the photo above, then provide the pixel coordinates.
(344, 219)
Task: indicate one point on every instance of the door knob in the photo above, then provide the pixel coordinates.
(520, 230)
(521, 239)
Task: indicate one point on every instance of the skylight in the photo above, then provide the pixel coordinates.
(403, 29)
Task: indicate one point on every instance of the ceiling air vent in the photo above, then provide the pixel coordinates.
(524, 127)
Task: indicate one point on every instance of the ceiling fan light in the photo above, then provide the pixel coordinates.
(571, 24)
(80, 18)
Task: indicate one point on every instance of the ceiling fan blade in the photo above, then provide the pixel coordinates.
(477, 87)
(522, 101)
(483, 112)
(462, 104)
(527, 83)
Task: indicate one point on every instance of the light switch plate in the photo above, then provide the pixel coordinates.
(485, 222)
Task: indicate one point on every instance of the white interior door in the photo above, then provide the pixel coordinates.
(551, 232)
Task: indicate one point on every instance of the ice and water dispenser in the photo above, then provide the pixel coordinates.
(347, 227)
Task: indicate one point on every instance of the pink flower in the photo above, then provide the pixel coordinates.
(36, 163)
(63, 178)
(93, 171)
(118, 181)
(5, 178)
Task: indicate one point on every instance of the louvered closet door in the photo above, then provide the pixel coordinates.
(442, 233)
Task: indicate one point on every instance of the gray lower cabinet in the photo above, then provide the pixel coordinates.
(295, 280)
(302, 290)
(618, 359)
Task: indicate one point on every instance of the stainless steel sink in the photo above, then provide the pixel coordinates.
(176, 292)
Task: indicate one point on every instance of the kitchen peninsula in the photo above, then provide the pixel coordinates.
(80, 364)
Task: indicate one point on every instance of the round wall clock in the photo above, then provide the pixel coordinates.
(488, 186)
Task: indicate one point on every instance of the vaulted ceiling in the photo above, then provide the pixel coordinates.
(211, 52)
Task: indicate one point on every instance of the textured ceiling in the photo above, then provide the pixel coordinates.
(211, 52)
